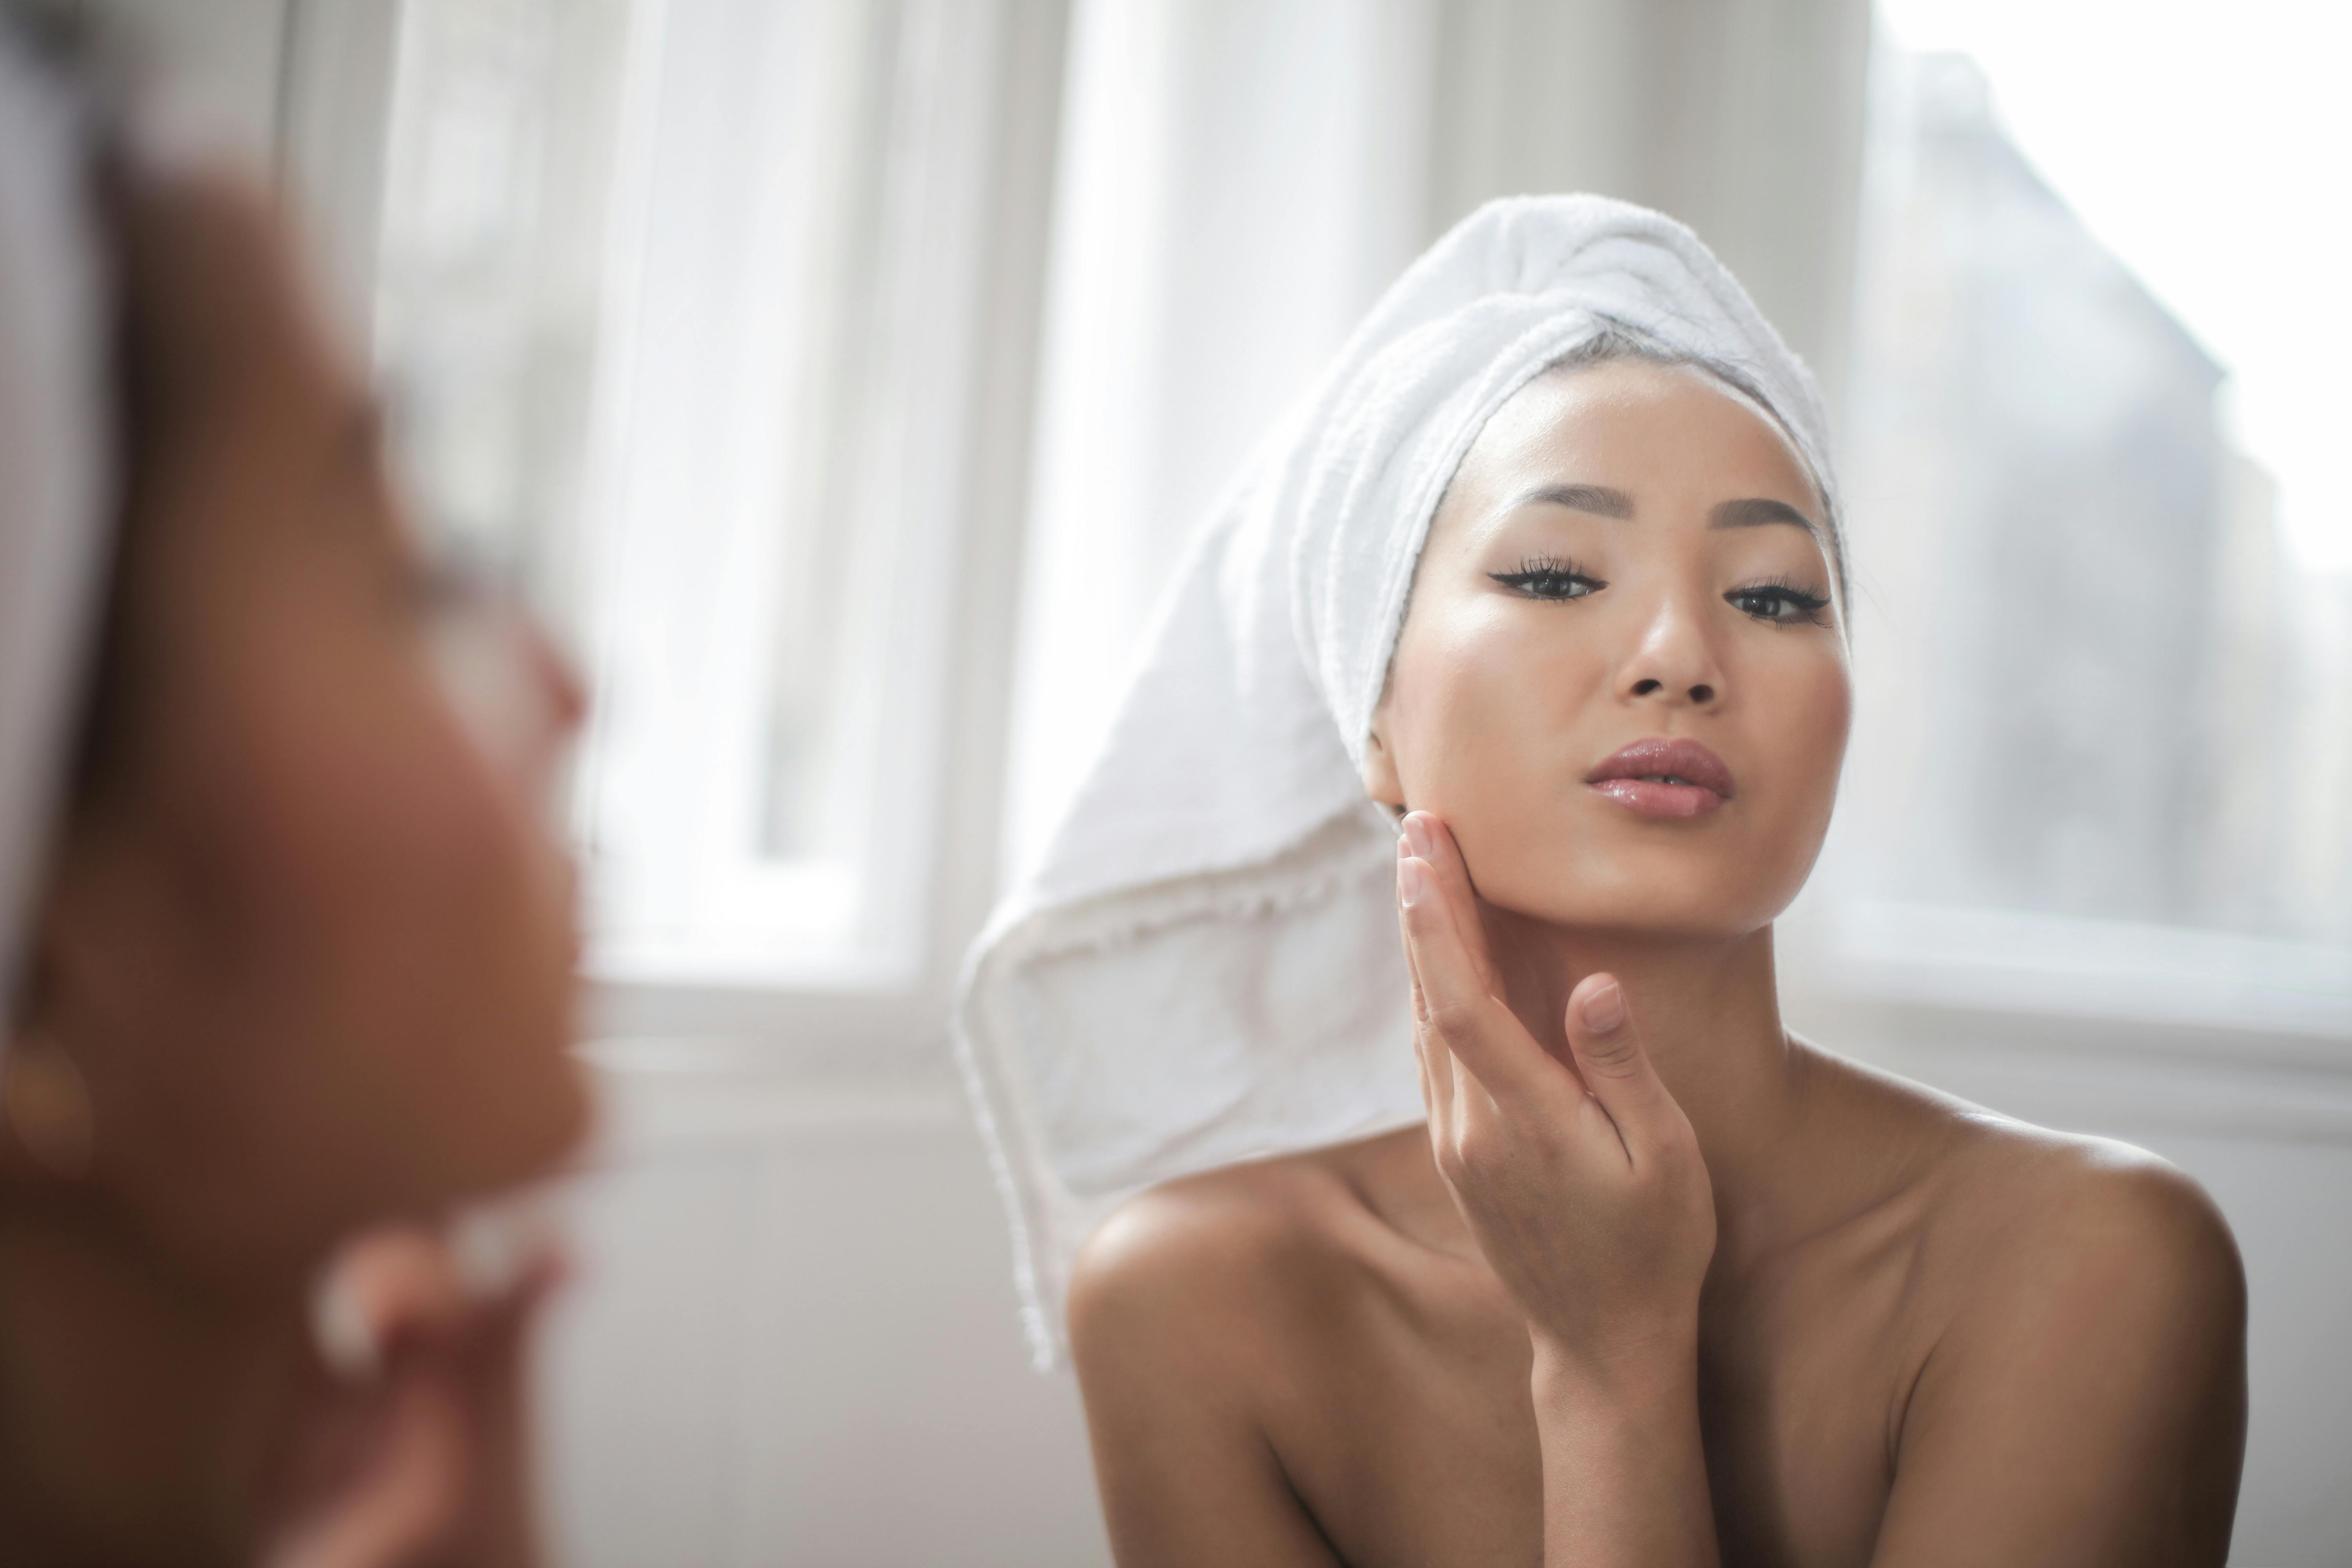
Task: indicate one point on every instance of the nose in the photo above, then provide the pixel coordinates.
(1674, 662)
(559, 698)
(558, 677)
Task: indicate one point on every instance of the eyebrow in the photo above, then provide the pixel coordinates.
(1598, 500)
(1757, 511)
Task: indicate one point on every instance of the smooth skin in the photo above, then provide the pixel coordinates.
(1658, 1284)
(308, 946)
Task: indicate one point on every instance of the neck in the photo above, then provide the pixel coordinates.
(137, 1408)
(1710, 1017)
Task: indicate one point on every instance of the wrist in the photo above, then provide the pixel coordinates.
(1624, 1460)
(1661, 1362)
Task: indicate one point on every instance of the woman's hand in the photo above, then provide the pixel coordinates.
(413, 1449)
(1583, 1182)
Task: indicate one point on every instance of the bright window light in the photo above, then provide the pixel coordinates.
(2104, 606)
(2198, 142)
(673, 299)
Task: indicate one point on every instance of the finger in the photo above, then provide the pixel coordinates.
(1436, 1076)
(1616, 1070)
(499, 1527)
(400, 1284)
(1433, 841)
(1436, 1087)
(403, 1499)
(1482, 1034)
(1472, 1097)
(381, 1285)
(509, 1242)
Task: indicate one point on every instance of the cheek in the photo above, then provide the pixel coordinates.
(1486, 710)
(390, 934)
(356, 807)
(1795, 730)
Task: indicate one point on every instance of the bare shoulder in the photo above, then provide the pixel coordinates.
(1230, 1265)
(1211, 1318)
(2080, 1393)
(1999, 1189)
(2021, 1224)
(2057, 1214)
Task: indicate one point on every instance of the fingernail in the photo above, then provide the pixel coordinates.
(1413, 881)
(1603, 1007)
(1416, 833)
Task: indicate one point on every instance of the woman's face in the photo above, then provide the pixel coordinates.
(308, 941)
(1631, 556)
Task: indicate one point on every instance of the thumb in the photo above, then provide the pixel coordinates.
(1610, 1058)
(406, 1494)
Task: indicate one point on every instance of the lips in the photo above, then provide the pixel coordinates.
(1659, 777)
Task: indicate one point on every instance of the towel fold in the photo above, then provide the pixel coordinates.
(1205, 965)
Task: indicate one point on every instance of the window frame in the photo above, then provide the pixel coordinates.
(333, 85)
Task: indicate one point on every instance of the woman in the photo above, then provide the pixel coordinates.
(286, 950)
(1555, 554)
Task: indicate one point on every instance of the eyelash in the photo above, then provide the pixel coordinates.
(1543, 577)
(1808, 605)
(1553, 578)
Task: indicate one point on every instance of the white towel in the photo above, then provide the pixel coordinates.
(54, 448)
(1205, 967)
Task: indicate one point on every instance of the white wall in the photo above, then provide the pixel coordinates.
(796, 1344)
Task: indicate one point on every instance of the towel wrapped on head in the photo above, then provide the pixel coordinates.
(1205, 966)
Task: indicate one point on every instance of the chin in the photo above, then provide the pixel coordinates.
(569, 1111)
(529, 1104)
(1657, 920)
(556, 1108)
(534, 1130)
(1712, 896)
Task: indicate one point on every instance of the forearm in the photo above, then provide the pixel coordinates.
(1624, 1468)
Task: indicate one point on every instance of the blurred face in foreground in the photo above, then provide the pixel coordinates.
(307, 944)
(1621, 680)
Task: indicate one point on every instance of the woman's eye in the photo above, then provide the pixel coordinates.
(1548, 579)
(1783, 604)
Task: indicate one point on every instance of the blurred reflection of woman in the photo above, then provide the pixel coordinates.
(1545, 1241)
(285, 953)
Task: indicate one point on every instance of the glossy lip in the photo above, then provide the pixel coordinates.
(1631, 778)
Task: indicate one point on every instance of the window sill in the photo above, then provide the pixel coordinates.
(2005, 962)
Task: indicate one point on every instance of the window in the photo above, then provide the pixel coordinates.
(2106, 750)
(680, 303)
(490, 267)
